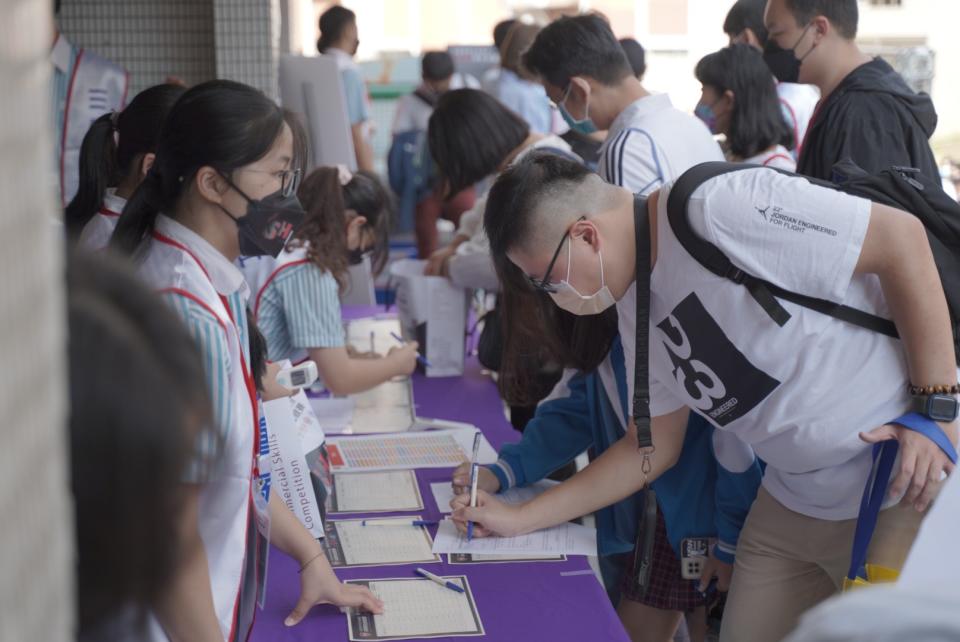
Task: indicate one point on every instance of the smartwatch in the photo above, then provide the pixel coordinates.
(944, 408)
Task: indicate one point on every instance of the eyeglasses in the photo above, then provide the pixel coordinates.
(289, 179)
(544, 285)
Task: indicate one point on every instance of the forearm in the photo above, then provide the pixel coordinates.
(616, 474)
(289, 535)
(362, 148)
(343, 375)
(186, 610)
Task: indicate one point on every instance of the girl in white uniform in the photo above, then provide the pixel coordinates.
(222, 184)
(739, 100)
(116, 154)
(296, 297)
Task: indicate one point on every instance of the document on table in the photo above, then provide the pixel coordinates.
(375, 492)
(443, 493)
(416, 608)
(390, 540)
(566, 539)
(429, 449)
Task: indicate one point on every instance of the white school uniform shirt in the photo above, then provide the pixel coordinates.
(472, 266)
(209, 294)
(798, 394)
(98, 230)
(412, 114)
(777, 156)
(651, 142)
(798, 103)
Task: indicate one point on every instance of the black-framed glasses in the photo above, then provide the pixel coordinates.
(289, 179)
(544, 285)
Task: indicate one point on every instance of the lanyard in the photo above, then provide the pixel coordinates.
(247, 375)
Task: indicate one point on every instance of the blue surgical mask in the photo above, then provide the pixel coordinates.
(707, 115)
(584, 125)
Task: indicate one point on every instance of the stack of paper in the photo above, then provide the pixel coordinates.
(566, 539)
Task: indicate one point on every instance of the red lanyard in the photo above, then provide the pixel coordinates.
(247, 375)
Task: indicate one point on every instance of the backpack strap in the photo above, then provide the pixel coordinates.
(641, 365)
(763, 292)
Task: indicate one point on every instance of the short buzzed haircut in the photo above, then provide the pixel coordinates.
(533, 202)
(577, 46)
(842, 14)
(747, 14)
(436, 65)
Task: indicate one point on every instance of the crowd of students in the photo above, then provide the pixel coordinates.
(711, 408)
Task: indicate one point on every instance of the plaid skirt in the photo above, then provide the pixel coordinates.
(667, 589)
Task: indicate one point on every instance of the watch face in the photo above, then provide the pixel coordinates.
(942, 407)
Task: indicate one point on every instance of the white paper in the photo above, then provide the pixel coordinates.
(416, 608)
(432, 311)
(309, 428)
(933, 562)
(392, 540)
(429, 449)
(443, 493)
(290, 474)
(376, 492)
(333, 413)
(566, 539)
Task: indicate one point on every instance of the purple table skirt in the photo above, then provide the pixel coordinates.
(529, 601)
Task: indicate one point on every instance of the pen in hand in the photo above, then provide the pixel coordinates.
(420, 359)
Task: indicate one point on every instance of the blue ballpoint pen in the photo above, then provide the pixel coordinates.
(420, 359)
(439, 580)
(396, 522)
(473, 480)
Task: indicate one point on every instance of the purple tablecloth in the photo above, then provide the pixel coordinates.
(526, 602)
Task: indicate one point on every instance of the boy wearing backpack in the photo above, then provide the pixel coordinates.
(809, 392)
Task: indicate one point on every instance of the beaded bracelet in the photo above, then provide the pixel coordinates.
(918, 391)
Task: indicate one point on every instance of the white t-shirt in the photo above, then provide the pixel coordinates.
(412, 114)
(651, 143)
(778, 157)
(798, 394)
(798, 103)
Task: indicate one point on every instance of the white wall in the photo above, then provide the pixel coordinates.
(36, 520)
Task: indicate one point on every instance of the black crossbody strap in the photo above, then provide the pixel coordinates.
(766, 294)
(641, 366)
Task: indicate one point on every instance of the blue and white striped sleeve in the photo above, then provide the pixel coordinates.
(211, 340)
(310, 298)
(631, 160)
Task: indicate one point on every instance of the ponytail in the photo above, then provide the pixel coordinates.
(98, 171)
(332, 23)
(323, 230)
(139, 217)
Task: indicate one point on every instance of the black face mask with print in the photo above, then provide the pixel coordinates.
(269, 223)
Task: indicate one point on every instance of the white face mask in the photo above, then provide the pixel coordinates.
(567, 298)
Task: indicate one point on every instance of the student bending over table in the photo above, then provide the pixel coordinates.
(811, 396)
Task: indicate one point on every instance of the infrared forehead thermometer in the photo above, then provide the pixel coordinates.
(299, 376)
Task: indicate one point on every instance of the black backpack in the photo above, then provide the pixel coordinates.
(902, 187)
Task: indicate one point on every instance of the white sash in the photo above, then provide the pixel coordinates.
(97, 87)
(224, 501)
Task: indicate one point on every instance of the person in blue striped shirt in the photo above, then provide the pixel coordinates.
(296, 297)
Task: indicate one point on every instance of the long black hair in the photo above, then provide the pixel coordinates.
(113, 150)
(757, 122)
(470, 135)
(139, 403)
(220, 124)
(332, 23)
